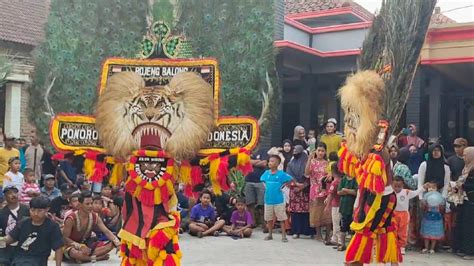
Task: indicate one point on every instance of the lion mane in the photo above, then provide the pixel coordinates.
(362, 102)
(180, 114)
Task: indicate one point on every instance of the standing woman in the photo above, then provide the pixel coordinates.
(394, 152)
(435, 170)
(465, 222)
(299, 194)
(330, 138)
(299, 137)
(316, 170)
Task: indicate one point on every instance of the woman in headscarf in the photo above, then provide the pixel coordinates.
(465, 239)
(415, 158)
(287, 151)
(411, 137)
(299, 137)
(394, 153)
(299, 194)
(435, 170)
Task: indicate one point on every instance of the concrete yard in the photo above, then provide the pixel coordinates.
(224, 250)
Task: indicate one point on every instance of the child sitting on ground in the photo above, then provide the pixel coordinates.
(241, 221)
(113, 221)
(432, 225)
(401, 213)
(102, 213)
(347, 190)
(73, 205)
(29, 189)
(203, 218)
(274, 180)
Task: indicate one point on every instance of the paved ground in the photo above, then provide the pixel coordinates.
(224, 250)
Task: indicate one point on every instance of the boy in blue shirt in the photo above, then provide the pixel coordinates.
(274, 180)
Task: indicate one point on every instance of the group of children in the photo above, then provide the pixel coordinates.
(341, 199)
(25, 182)
(204, 220)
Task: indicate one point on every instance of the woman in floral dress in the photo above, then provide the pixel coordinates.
(316, 171)
(299, 194)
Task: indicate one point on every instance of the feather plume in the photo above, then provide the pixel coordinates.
(392, 49)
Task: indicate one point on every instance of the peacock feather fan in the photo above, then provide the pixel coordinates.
(392, 48)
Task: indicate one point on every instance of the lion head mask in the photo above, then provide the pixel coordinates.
(176, 118)
(362, 102)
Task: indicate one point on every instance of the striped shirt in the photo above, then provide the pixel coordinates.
(27, 187)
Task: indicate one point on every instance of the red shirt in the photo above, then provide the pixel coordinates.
(333, 191)
(24, 198)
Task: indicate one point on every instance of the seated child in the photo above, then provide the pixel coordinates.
(73, 204)
(203, 218)
(241, 221)
(102, 212)
(37, 236)
(30, 188)
(113, 220)
(106, 192)
(432, 224)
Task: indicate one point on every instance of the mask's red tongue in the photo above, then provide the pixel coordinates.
(150, 174)
(149, 141)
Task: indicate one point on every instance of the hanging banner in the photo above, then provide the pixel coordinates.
(70, 132)
(158, 72)
(232, 132)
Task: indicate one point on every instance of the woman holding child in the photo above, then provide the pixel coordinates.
(436, 174)
(316, 171)
(299, 194)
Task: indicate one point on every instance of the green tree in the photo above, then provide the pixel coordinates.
(79, 36)
(240, 35)
(5, 68)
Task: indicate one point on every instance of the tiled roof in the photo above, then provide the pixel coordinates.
(302, 6)
(439, 18)
(22, 21)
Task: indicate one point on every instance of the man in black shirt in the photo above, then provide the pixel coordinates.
(36, 236)
(9, 216)
(456, 161)
(224, 205)
(254, 189)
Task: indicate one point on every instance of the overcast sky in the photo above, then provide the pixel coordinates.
(460, 15)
